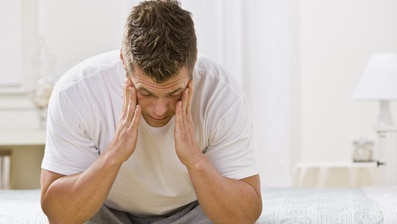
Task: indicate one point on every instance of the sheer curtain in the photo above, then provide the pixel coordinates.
(268, 86)
(249, 37)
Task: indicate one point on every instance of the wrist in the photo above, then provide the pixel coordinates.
(197, 163)
(111, 159)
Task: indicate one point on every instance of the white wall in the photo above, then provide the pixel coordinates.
(16, 109)
(330, 42)
(335, 40)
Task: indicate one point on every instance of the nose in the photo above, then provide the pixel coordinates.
(160, 107)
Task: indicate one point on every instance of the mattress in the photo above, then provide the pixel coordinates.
(367, 205)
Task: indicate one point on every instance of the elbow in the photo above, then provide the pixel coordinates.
(258, 211)
(251, 218)
(49, 209)
(254, 214)
(243, 217)
(59, 215)
(63, 220)
(46, 208)
(52, 217)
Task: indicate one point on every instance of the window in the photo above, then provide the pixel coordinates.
(74, 30)
(10, 43)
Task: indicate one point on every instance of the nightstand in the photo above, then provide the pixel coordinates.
(22, 153)
(336, 174)
(387, 154)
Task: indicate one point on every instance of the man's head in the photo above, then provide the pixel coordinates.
(159, 51)
(159, 39)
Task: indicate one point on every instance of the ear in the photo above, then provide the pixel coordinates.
(122, 59)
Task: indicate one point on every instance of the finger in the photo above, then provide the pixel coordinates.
(131, 102)
(190, 97)
(178, 116)
(184, 105)
(136, 119)
(133, 93)
(125, 99)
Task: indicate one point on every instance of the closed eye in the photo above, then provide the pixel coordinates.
(144, 92)
(176, 94)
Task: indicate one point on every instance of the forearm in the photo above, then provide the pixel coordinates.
(76, 198)
(225, 200)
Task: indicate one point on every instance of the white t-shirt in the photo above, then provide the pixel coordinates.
(83, 113)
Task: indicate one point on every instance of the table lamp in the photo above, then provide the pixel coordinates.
(379, 82)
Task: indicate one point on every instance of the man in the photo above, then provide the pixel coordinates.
(171, 146)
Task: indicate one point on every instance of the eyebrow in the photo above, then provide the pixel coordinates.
(171, 93)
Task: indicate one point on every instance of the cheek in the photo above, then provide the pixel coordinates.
(172, 105)
(143, 102)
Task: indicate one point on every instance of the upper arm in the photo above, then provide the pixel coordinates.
(255, 183)
(230, 148)
(68, 148)
(46, 179)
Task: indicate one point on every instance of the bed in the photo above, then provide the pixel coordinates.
(367, 205)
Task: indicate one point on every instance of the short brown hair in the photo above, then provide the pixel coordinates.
(159, 38)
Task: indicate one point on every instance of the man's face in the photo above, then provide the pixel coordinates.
(158, 101)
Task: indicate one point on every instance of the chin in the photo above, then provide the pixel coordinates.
(156, 123)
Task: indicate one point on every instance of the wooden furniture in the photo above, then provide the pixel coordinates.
(26, 150)
(336, 174)
(387, 154)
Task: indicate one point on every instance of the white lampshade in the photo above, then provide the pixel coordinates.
(379, 82)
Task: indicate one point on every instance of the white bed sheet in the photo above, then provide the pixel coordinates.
(21, 207)
(367, 205)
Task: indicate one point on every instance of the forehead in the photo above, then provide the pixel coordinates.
(143, 81)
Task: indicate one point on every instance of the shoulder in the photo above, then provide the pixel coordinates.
(214, 84)
(86, 84)
(92, 71)
(218, 97)
(205, 66)
(87, 96)
(215, 75)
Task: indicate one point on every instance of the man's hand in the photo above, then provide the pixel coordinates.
(185, 139)
(76, 198)
(126, 135)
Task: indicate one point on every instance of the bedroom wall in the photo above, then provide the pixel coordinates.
(335, 40)
(16, 108)
(17, 112)
(330, 42)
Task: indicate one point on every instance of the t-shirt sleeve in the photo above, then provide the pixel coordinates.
(68, 149)
(230, 149)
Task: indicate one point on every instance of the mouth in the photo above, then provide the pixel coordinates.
(158, 120)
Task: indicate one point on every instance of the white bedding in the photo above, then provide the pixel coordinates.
(367, 205)
(21, 207)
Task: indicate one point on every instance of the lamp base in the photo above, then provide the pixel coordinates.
(385, 120)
